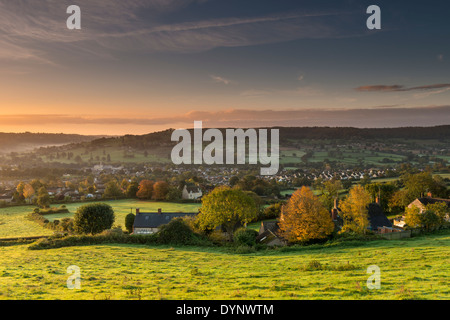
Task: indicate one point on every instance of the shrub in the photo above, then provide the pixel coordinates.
(245, 236)
(313, 266)
(51, 210)
(176, 232)
(192, 223)
(93, 218)
(129, 222)
(217, 237)
(271, 212)
(80, 240)
(36, 217)
(112, 232)
(66, 225)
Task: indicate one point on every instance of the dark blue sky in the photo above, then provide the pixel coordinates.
(139, 66)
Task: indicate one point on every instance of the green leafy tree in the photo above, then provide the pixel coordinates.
(440, 209)
(245, 236)
(112, 190)
(272, 211)
(43, 199)
(234, 180)
(160, 190)
(430, 220)
(329, 192)
(174, 194)
(132, 189)
(129, 222)
(176, 232)
(226, 207)
(420, 184)
(355, 210)
(398, 201)
(93, 218)
(413, 217)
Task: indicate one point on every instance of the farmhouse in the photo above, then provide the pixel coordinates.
(422, 202)
(268, 234)
(6, 198)
(191, 192)
(377, 218)
(150, 222)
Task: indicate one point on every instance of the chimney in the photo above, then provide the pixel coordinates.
(336, 202)
(334, 214)
(429, 195)
(137, 211)
(159, 211)
(377, 200)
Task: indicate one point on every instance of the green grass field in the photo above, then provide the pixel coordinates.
(13, 222)
(416, 268)
(117, 155)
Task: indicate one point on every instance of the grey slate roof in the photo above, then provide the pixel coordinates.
(377, 218)
(155, 220)
(426, 200)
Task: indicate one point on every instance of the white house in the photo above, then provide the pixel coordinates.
(191, 192)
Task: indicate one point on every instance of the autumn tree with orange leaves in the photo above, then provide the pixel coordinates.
(304, 218)
(145, 190)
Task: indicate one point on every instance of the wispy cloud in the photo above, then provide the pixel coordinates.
(35, 31)
(305, 91)
(219, 79)
(400, 88)
(378, 116)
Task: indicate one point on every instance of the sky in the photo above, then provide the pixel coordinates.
(141, 66)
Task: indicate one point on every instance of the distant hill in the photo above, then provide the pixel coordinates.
(162, 138)
(437, 132)
(20, 142)
(342, 144)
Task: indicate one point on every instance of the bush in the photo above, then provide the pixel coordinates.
(129, 222)
(66, 225)
(271, 212)
(93, 218)
(176, 232)
(217, 237)
(245, 236)
(81, 240)
(36, 217)
(313, 265)
(51, 210)
(112, 232)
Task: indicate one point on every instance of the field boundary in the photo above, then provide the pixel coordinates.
(23, 238)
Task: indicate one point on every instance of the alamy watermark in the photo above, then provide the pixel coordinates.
(374, 281)
(74, 20)
(74, 280)
(190, 150)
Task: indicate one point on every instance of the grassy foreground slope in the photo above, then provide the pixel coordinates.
(416, 268)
